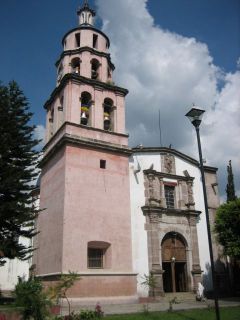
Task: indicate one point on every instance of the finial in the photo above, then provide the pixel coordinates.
(86, 14)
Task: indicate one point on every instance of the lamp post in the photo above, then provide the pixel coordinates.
(195, 116)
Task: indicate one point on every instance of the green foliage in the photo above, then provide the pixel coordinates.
(31, 298)
(227, 226)
(59, 291)
(84, 314)
(230, 189)
(150, 282)
(18, 162)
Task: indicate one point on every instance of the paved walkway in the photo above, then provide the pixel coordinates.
(161, 305)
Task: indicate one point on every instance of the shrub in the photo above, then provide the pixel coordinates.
(32, 299)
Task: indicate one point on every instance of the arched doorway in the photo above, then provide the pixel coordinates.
(174, 263)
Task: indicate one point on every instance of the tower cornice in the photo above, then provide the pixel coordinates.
(80, 79)
(82, 49)
(86, 27)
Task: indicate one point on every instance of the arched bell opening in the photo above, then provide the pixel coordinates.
(108, 114)
(174, 263)
(95, 69)
(75, 65)
(86, 101)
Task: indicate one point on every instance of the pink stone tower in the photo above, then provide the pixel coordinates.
(86, 225)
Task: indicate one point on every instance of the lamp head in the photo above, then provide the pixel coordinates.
(195, 116)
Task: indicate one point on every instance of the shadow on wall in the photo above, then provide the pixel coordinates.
(223, 279)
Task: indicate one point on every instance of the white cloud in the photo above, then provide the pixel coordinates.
(167, 71)
(39, 134)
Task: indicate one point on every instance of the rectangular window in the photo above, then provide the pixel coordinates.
(103, 164)
(77, 39)
(169, 196)
(95, 258)
(95, 41)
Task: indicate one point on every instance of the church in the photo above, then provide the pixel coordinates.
(113, 213)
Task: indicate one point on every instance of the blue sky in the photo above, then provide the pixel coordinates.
(31, 33)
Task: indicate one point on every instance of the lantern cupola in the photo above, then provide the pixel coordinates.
(86, 14)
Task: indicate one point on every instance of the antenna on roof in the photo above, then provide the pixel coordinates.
(160, 130)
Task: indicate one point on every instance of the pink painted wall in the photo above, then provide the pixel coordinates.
(86, 40)
(97, 208)
(48, 256)
(72, 106)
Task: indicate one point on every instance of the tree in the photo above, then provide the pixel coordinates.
(230, 189)
(227, 226)
(18, 163)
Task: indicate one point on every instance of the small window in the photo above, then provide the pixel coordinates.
(77, 39)
(103, 164)
(169, 196)
(95, 41)
(95, 258)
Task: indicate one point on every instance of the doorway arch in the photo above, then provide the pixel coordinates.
(174, 262)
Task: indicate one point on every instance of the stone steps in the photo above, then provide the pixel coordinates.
(181, 296)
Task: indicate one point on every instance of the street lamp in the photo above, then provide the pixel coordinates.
(195, 116)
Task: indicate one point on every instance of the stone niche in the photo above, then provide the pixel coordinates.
(168, 164)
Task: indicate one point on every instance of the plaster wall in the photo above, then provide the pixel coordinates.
(97, 208)
(13, 269)
(49, 241)
(86, 40)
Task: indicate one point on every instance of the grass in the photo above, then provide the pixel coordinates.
(230, 313)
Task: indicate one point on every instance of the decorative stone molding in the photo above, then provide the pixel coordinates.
(152, 189)
(154, 218)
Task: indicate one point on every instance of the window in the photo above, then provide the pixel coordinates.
(95, 41)
(77, 40)
(95, 69)
(103, 164)
(99, 255)
(169, 196)
(95, 258)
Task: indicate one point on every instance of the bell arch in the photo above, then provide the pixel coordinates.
(86, 102)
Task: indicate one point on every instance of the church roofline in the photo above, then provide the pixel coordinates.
(87, 27)
(175, 152)
(72, 76)
(79, 50)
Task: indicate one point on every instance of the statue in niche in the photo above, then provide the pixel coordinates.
(169, 163)
(190, 193)
(151, 187)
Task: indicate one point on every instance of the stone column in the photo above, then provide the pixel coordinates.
(156, 268)
(196, 269)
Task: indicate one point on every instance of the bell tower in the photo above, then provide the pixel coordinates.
(85, 225)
